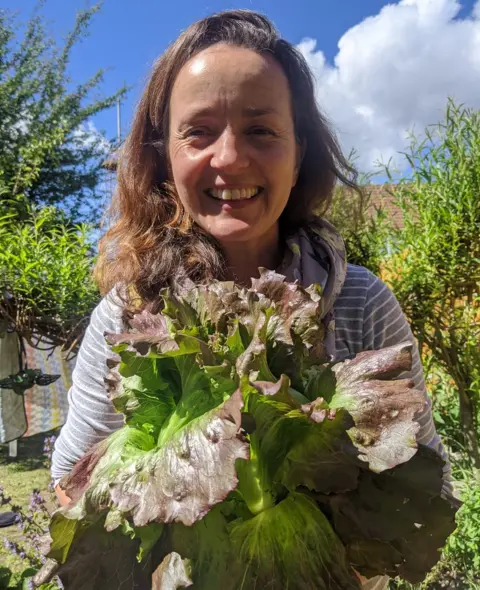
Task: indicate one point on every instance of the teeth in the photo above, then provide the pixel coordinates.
(234, 194)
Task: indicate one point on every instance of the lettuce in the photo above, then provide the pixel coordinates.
(247, 459)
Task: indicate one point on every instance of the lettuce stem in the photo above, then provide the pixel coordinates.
(250, 485)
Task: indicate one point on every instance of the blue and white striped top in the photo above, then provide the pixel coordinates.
(367, 317)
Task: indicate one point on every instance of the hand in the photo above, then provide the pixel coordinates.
(62, 497)
(362, 579)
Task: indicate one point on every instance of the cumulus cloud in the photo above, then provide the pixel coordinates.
(88, 135)
(395, 71)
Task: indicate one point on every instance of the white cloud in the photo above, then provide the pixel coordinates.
(89, 135)
(395, 71)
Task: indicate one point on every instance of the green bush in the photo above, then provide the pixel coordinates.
(463, 548)
(363, 226)
(45, 279)
(434, 269)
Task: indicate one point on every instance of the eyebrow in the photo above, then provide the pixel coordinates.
(256, 112)
(250, 112)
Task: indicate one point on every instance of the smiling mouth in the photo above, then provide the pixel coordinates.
(234, 194)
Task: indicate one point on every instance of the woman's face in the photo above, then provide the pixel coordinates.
(232, 149)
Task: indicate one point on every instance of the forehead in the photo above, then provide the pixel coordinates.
(231, 76)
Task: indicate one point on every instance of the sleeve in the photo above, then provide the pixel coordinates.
(384, 324)
(91, 415)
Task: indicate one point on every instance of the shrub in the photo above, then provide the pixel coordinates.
(434, 269)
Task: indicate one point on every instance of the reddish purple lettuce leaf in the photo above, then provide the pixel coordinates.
(193, 471)
(247, 459)
(396, 522)
(172, 573)
(384, 409)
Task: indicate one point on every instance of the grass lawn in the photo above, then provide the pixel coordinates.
(20, 476)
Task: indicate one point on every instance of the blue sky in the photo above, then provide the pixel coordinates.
(353, 82)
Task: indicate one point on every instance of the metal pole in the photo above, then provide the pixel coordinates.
(13, 448)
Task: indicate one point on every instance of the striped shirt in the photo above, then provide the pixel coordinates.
(367, 317)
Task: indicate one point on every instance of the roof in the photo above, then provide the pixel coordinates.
(380, 196)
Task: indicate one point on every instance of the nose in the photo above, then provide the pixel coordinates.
(230, 152)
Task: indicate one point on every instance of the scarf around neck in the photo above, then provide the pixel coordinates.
(316, 254)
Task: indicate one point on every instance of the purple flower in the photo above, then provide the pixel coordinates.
(36, 501)
(48, 446)
(12, 547)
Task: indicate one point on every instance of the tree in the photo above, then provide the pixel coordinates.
(45, 278)
(435, 268)
(47, 155)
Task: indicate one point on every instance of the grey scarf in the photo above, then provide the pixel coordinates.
(316, 254)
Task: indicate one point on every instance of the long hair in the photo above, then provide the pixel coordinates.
(153, 242)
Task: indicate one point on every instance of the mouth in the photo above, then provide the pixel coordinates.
(234, 194)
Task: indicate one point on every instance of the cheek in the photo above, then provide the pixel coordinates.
(282, 157)
(281, 166)
(185, 171)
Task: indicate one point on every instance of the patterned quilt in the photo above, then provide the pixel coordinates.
(41, 408)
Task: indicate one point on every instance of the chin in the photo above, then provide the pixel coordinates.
(233, 232)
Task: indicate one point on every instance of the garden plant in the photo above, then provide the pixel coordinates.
(431, 261)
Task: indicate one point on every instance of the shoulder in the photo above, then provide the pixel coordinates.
(367, 313)
(358, 287)
(362, 288)
(106, 317)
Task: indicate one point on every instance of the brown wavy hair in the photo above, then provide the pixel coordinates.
(153, 242)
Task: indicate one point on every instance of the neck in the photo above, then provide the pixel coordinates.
(245, 258)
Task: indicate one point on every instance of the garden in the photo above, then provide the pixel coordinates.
(428, 253)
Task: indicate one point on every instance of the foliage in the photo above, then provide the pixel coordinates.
(23, 552)
(240, 440)
(48, 155)
(435, 267)
(363, 224)
(463, 547)
(459, 567)
(45, 279)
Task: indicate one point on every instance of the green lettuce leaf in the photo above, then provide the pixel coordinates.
(184, 478)
(246, 459)
(208, 548)
(292, 545)
(325, 460)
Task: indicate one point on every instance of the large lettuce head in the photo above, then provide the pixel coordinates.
(247, 459)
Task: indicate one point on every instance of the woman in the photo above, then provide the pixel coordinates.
(227, 162)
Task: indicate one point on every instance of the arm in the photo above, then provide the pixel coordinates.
(91, 415)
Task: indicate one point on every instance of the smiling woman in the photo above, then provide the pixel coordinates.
(233, 152)
(229, 105)
(227, 160)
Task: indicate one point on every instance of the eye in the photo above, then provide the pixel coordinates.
(261, 131)
(197, 132)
